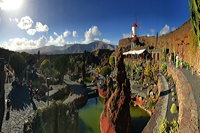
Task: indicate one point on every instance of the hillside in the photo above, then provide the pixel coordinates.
(4, 53)
(72, 48)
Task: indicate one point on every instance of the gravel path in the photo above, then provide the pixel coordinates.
(195, 83)
(21, 108)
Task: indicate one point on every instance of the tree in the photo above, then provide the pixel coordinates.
(106, 70)
(18, 64)
(60, 65)
(46, 68)
(112, 61)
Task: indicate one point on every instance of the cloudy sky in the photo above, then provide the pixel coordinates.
(26, 24)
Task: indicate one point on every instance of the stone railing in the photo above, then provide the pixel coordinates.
(188, 115)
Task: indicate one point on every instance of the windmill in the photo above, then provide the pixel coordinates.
(135, 27)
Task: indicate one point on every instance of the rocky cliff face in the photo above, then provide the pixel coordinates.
(115, 117)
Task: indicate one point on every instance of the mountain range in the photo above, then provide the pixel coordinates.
(72, 48)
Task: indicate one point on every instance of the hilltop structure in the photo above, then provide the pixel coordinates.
(178, 42)
(133, 47)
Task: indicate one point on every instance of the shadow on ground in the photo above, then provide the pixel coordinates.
(20, 98)
(163, 93)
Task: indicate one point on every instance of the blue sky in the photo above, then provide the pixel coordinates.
(84, 21)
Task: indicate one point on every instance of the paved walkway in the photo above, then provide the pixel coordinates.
(21, 108)
(163, 107)
(160, 108)
(194, 81)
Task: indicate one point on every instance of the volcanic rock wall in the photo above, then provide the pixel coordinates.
(115, 117)
(178, 42)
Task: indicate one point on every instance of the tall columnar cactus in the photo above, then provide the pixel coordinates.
(194, 6)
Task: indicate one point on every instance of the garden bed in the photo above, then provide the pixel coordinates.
(172, 112)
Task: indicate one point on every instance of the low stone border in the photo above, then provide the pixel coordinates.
(160, 108)
(188, 115)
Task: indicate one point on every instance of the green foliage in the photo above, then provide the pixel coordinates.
(106, 70)
(173, 109)
(167, 127)
(60, 65)
(194, 6)
(138, 70)
(88, 79)
(162, 59)
(148, 70)
(18, 63)
(55, 118)
(112, 61)
(168, 76)
(45, 64)
(164, 67)
(173, 93)
(164, 126)
(193, 45)
(174, 126)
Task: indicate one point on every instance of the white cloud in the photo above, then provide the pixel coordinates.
(55, 33)
(106, 41)
(41, 28)
(90, 34)
(173, 28)
(24, 43)
(58, 41)
(67, 33)
(25, 23)
(126, 35)
(165, 30)
(74, 34)
(31, 31)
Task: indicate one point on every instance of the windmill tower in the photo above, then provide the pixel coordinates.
(134, 30)
(134, 37)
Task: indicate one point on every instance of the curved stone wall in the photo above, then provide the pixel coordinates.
(188, 115)
(153, 123)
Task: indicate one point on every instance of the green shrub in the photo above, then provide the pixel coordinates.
(88, 79)
(174, 126)
(173, 109)
(167, 127)
(18, 64)
(173, 93)
(164, 67)
(106, 70)
(162, 59)
(112, 61)
(164, 126)
(138, 70)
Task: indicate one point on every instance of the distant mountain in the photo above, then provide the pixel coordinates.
(72, 48)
